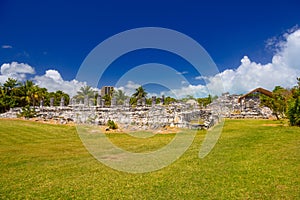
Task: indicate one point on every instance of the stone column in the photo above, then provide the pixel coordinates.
(113, 102)
(62, 102)
(127, 102)
(102, 103)
(86, 101)
(163, 100)
(73, 101)
(41, 104)
(153, 100)
(143, 101)
(99, 100)
(139, 102)
(91, 102)
(51, 102)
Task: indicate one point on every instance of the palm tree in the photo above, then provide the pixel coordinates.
(120, 96)
(85, 91)
(32, 93)
(57, 97)
(27, 90)
(140, 93)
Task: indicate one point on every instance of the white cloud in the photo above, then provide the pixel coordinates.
(15, 70)
(53, 81)
(194, 90)
(6, 47)
(129, 88)
(283, 70)
(181, 73)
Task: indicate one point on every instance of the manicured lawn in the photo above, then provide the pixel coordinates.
(253, 159)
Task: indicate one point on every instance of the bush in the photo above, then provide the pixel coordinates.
(111, 124)
(27, 112)
(294, 112)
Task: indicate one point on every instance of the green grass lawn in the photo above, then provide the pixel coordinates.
(250, 161)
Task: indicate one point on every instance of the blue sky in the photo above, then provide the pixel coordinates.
(58, 35)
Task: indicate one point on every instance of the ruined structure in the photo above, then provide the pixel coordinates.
(154, 116)
(243, 106)
(140, 117)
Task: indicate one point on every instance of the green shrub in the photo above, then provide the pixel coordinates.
(111, 124)
(27, 112)
(294, 112)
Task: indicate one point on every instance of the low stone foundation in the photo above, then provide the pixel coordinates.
(133, 118)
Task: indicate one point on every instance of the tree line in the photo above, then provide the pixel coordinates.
(21, 94)
(139, 93)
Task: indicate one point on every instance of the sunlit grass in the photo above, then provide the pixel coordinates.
(253, 159)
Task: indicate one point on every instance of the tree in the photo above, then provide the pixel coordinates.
(169, 100)
(10, 84)
(57, 97)
(205, 101)
(27, 90)
(9, 95)
(83, 92)
(278, 102)
(120, 96)
(293, 111)
(15, 94)
(107, 99)
(32, 93)
(139, 93)
(188, 97)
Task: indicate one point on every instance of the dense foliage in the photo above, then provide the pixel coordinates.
(285, 103)
(16, 94)
(293, 110)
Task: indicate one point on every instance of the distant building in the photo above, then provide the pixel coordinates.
(106, 90)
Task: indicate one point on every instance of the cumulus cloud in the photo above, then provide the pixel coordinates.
(129, 88)
(283, 70)
(194, 90)
(15, 70)
(53, 81)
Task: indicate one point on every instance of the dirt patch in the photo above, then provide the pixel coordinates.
(38, 120)
(272, 125)
(166, 130)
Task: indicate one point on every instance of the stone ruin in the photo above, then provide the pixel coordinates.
(149, 117)
(249, 107)
(140, 117)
